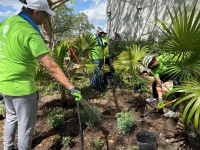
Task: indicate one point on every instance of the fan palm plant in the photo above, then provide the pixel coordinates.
(128, 61)
(184, 44)
(128, 64)
(83, 46)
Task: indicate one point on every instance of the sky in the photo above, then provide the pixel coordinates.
(94, 9)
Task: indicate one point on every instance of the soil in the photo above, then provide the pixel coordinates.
(169, 132)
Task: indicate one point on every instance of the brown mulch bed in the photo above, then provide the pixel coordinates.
(46, 138)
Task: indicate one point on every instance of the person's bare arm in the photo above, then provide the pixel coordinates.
(54, 69)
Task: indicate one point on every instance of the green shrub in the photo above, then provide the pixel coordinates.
(66, 141)
(56, 119)
(139, 84)
(125, 122)
(91, 116)
(96, 144)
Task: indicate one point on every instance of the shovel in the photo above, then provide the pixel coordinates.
(84, 103)
(80, 126)
(154, 109)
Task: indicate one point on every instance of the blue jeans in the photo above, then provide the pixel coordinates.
(96, 79)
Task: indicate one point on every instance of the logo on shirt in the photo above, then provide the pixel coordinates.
(5, 30)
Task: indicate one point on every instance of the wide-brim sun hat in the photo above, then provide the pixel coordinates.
(41, 5)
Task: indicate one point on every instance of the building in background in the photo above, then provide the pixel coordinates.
(139, 17)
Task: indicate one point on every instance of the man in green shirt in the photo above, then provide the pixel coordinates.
(158, 66)
(21, 45)
(97, 59)
(106, 53)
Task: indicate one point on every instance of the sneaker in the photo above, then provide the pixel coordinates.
(170, 114)
(102, 93)
(150, 99)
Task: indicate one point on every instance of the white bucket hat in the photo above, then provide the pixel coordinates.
(146, 61)
(41, 5)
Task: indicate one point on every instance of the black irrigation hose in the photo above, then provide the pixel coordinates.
(81, 131)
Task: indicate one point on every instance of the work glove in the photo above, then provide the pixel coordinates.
(75, 93)
(160, 105)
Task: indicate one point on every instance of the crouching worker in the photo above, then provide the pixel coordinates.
(158, 66)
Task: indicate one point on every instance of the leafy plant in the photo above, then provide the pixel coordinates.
(56, 118)
(96, 144)
(91, 115)
(125, 122)
(128, 61)
(139, 84)
(67, 141)
(183, 43)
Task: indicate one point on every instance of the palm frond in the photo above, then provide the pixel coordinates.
(84, 44)
(192, 91)
(129, 60)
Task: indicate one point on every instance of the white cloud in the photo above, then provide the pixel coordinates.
(96, 11)
(14, 4)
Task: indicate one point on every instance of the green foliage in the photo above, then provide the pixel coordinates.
(192, 100)
(67, 141)
(125, 122)
(68, 24)
(61, 52)
(56, 118)
(128, 61)
(84, 44)
(91, 115)
(96, 144)
(183, 43)
(116, 47)
(139, 84)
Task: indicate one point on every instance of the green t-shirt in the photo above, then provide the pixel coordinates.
(97, 52)
(106, 50)
(20, 45)
(164, 61)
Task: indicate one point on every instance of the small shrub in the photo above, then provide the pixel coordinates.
(56, 119)
(66, 141)
(96, 144)
(91, 116)
(125, 122)
(139, 84)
